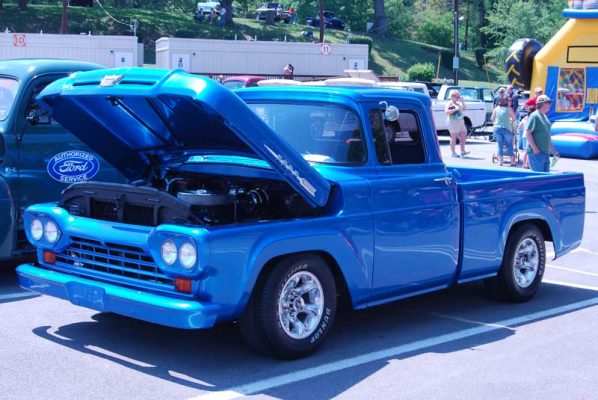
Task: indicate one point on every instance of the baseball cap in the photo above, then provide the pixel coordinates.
(543, 99)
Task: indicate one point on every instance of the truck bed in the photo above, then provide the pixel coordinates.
(493, 200)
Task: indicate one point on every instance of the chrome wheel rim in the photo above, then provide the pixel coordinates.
(527, 262)
(301, 305)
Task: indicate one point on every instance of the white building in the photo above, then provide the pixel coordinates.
(259, 57)
(110, 51)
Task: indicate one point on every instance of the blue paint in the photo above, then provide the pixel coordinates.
(394, 231)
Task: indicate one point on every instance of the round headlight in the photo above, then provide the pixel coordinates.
(187, 255)
(36, 229)
(51, 232)
(168, 251)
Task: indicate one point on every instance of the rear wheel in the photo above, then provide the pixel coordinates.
(292, 311)
(522, 268)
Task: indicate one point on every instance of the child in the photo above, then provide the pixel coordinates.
(521, 135)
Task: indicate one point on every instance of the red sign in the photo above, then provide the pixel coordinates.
(19, 40)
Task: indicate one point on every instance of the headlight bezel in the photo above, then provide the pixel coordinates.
(51, 233)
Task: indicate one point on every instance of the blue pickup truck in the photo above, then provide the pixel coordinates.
(271, 205)
(38, 157)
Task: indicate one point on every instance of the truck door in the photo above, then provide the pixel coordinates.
(49, 157)
(416, 209)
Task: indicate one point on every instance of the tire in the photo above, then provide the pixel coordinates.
(275, 322)
(522, 267)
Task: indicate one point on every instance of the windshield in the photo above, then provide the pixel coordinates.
(8, 92)
(323, 134)
(469, 94)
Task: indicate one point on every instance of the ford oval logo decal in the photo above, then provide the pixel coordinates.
(73, 166)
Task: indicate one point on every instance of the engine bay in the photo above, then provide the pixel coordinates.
(188, 198)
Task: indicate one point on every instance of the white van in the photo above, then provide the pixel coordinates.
(207, 6)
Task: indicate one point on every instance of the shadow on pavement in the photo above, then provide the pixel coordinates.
(217, 359)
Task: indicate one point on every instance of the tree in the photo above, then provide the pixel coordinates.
(228, 5)
(380, 21)
(509, 20)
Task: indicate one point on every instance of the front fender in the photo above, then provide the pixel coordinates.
(352, 261)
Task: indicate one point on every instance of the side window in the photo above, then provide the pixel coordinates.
(33, 110)
(487, 96)
(398, 142)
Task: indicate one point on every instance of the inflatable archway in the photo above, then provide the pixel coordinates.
(567, 66)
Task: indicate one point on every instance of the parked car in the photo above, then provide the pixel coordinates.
(38, 157)
(472, 93)
(412, 86)
(267, 204)
(235, 82)
(278, 9)
(475, 114)
(330, 21)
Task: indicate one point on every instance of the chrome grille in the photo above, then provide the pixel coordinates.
(114, 259)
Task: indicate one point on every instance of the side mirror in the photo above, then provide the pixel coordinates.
(391, 113)
(38, 117)
(33, 117)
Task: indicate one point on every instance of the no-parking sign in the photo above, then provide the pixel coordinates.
(325, 49)
(19, 40)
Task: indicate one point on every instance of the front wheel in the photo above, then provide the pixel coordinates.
(522, 268)
(292, 311)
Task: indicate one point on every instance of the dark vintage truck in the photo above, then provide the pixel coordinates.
(38, 157)
(270, 205)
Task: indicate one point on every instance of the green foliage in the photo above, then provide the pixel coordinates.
(437, 29)
(509, 20)
(363, 40)
(421, 72)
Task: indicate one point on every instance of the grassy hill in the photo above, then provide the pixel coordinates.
(390, 57)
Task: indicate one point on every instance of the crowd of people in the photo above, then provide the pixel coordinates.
(526, 129)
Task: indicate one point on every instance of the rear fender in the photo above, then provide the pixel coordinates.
(530, 211)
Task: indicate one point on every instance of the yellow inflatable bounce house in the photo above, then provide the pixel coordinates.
(566, 67)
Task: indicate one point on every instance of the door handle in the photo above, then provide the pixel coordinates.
(447, 180)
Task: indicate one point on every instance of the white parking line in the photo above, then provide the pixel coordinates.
(572, 270)
(575, 285)
(471, 321)
(393, 352)
(582, 250)
(13, 296)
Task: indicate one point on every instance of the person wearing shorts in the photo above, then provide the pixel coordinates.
(456, 124)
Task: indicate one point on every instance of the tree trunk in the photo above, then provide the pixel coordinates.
(64, 22)
(380, 20)
(22, 5)
(1, 5)
(228, 5)
(481, 16)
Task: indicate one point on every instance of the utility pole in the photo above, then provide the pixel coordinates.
(64, 22)
(321, 21)
(456, 57)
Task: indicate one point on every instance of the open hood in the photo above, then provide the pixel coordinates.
(139, 118)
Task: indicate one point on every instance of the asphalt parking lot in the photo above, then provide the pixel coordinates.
(454, 344)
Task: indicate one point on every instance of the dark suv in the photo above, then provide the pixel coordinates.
(330, 21)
